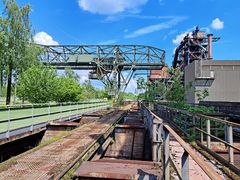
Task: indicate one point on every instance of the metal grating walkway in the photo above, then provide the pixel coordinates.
(49, 161)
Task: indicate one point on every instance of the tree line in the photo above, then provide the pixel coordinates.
(16, 53)
(20, 71)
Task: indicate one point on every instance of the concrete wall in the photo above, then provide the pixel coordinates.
(225, 86)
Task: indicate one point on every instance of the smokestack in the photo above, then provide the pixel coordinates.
(210, 46)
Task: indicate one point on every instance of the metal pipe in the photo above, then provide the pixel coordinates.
(210, 46)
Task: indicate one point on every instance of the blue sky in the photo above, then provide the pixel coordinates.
(159, 23)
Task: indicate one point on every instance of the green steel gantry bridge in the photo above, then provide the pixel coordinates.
(105, 62)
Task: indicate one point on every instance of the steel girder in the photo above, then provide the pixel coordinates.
(106, 61)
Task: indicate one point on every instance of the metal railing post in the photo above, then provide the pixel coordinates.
(31, 127)
(185, 122)
(70, 111)
(230, 141)
(159, 133)
(166, 156)
(61, 111)
(9, 123)
(185, 166)
(209, 132)
(225, 132)
(154, 142)
(194, 125)
(49, 111)
(201, 133)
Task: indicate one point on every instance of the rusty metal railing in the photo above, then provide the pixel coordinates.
(160, 133)
(208, 132)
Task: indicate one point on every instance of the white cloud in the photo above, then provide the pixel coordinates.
(161, 2)
(179, 38)
(44, 39)
(83, 74)
(217, 24)
(118, 17)
(132, 86)
(155, 27)
(111, 6)
(111, 41)
(206, 29)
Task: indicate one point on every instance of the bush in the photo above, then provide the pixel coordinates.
(67, 90)
(37, 84)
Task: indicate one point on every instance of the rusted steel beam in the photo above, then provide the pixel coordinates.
(102, 149)
(130, 126)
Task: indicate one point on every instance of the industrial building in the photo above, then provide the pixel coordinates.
(194, 58)
(220, 77)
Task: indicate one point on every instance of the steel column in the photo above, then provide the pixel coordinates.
(166, 156)
(154, 142)
(185, 165)
(209, 132)
(230, 141)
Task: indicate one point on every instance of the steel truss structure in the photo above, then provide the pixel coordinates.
(106, 62)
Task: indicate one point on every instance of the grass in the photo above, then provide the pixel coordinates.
(28, 112)
(3, 101)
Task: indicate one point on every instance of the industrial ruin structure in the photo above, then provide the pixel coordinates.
(107, 63)
(194, 47)
(194, 58)
(220, 78)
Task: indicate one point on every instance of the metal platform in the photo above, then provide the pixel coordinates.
(118, 169)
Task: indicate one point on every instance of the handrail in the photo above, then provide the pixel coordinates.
(30, 121)
(203, 116)
(210, 172)
(42, 105)
(205, 126)
(51, 113)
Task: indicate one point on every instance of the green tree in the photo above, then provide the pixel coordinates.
(37, 84)
(71, 74)
(67, 90)
(176, 93)
(3, 39)
(141, 84)
(16, 28)
(89, 90)
(202, 94)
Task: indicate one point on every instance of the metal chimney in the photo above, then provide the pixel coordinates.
(210, 46)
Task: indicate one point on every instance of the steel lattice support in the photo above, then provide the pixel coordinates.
(107, 62)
